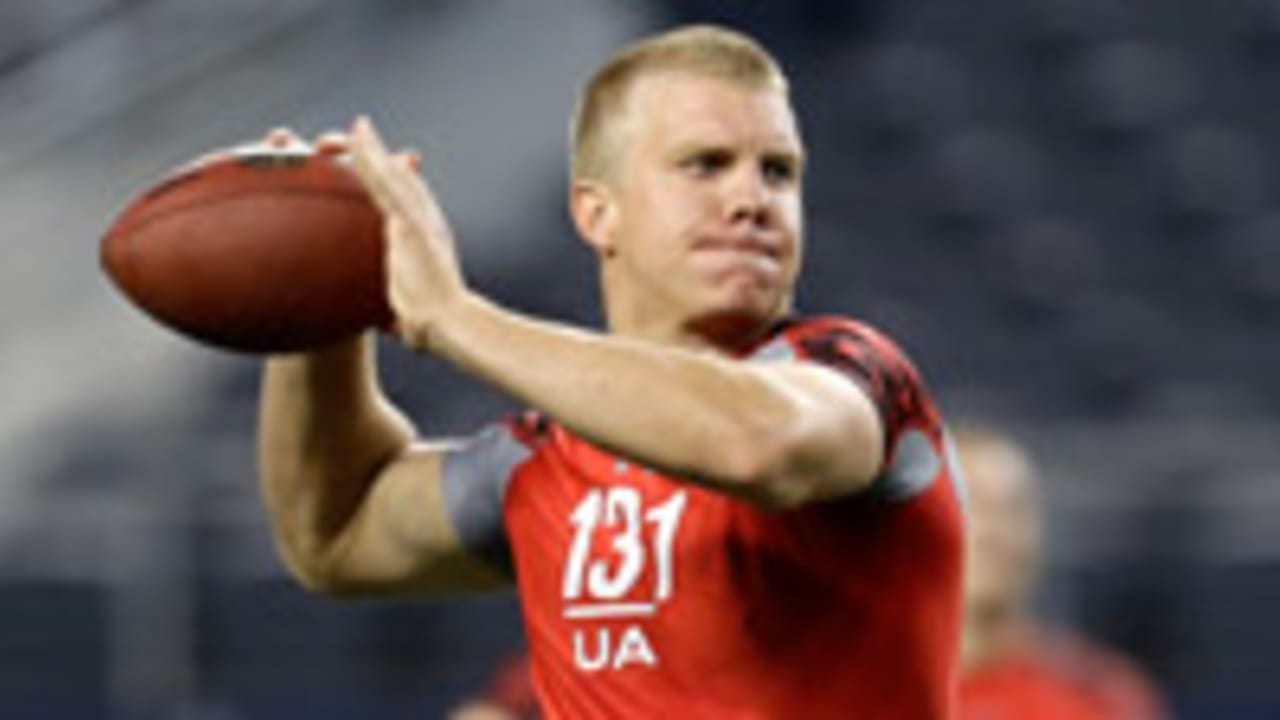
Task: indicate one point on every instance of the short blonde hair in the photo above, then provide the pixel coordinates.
(699, 49)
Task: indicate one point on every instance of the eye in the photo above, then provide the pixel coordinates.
(780, 170)
(706, 163)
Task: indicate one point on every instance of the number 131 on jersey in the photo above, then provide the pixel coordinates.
(641, 539)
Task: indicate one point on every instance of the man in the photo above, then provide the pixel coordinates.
(1013, 668)
(717, 510)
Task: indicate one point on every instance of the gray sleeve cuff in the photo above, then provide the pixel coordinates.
(474, 479)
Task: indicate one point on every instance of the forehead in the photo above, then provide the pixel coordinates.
(671, 109)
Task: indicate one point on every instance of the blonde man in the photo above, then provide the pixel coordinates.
(718, 509)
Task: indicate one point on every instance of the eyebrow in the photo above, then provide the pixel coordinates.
(694, 147)
(796, 157)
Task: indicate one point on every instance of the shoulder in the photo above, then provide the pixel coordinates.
(476, 475)
(810, 325)
(867, 355)
(834, 337)
(916, 448)
(497, 450)
(531, 429)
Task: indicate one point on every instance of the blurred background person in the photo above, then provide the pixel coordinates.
(508, 696)
(1015, 666)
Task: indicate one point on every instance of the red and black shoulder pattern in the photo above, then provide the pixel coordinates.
(873, 361)
(530, 427)
(916, 449)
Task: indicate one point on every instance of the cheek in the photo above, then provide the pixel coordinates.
(663, 223)
(792, 220)
(680, 209)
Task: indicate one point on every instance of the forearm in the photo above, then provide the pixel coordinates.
(693, 414)
(324, 432)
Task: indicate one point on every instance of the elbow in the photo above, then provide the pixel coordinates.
(314, 583)
(309, 575)
(315, 573)
(324, 584)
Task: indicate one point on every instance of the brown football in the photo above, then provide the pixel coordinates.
(256, 249)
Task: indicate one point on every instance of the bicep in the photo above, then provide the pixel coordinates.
(838, 446)
(410, 535)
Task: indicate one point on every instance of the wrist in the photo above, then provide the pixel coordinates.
(442, 334)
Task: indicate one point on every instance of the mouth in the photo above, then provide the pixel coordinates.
(757, 262)
(747, 246)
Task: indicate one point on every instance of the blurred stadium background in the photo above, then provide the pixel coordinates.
(1065, 209)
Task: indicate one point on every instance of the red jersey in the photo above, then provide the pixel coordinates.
(648, 597)
(1059, 679)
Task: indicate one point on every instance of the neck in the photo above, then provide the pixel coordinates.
(723, 333)
(733, 334)
(728, 333)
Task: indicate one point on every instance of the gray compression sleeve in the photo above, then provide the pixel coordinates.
(475, 479)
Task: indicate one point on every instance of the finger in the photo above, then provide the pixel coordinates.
(332, 142)
(411, 159)
(366, 136)
(280, 137)
(394, 184)
(367, 160)
(376, 168)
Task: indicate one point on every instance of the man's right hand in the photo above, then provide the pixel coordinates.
(424, 278)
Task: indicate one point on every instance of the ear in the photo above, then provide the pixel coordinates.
(594, 212)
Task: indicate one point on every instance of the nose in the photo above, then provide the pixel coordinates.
(748, 199)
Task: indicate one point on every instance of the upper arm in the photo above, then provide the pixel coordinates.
(859, 402)
(834, 445)
(432, 522)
